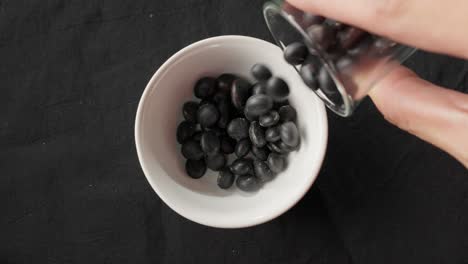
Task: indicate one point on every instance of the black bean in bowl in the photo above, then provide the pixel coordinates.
(225, 178)
(248, 183)
(243, 130)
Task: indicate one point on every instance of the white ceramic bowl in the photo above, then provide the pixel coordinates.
(159, 113)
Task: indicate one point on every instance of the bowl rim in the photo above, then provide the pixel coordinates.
(200, 220)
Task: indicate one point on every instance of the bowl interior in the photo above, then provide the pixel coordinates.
(159, 113)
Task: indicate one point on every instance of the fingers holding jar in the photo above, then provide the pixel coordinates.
(437, 26)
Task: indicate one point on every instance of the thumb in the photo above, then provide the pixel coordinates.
(434, 114)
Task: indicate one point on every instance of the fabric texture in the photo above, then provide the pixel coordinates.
(72, 191)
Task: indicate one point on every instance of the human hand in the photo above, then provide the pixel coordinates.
(431, 112)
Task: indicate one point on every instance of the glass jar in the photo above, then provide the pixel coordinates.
(343, 62)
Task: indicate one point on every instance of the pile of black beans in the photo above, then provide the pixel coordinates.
(251, 124)
(343, 44)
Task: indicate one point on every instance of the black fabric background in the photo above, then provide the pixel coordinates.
(72, 191)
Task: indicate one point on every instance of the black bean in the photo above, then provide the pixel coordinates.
(261, 72)
(262, 171)
(243, 147)
(242, 166)
(257, 134)
(295, 53)
(289, 134)
(327, 84)
(207, 115)
(335, 52)
(285, 148)
(221, 97)
(259, 88)
(258, 105)
(322, 35)
(277, 105)
(240, 92)
(249, 116)
(185, 130)
(225, 178)
(215, 162)
(191, 150)
(308, 75)
(224, 82)
(280, 147)
(272, 134)
(276, 147)
(247, 183)
(350, 37)
(287, 113)
(205, 101)
(328, 87)
(197, 136)
(210, 143)
(260, 153)
(189, 111)
(227, 145)
(217, 130)
(276, 162)
(361, 47)
(269, 119)
(309, 19)
(277, 88)
(224, 110)
(195, 168)
(238, 128)
(204, 87)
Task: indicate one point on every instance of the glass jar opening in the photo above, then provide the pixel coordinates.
(339, 62)
(330, 89)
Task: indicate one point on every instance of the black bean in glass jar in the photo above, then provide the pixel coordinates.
(339, 62)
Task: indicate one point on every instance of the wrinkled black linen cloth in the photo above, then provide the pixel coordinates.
(72, 191)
